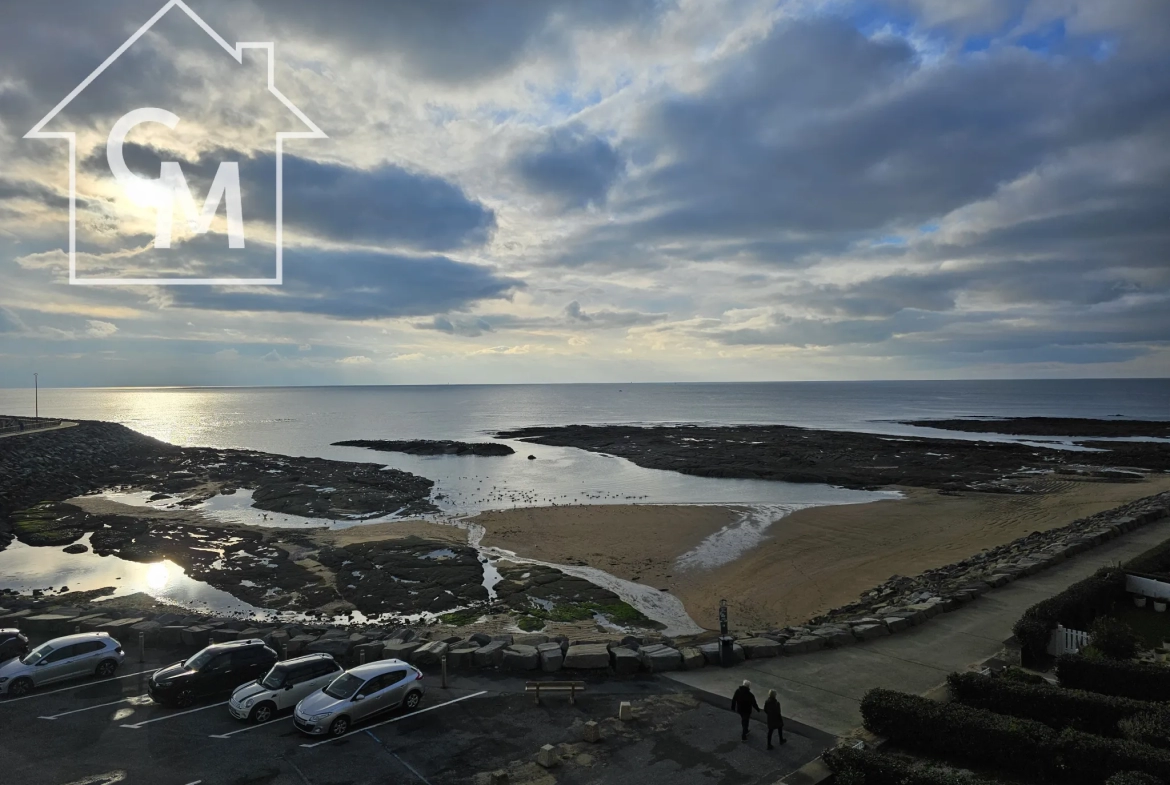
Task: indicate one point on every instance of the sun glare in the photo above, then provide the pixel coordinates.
(157, 576)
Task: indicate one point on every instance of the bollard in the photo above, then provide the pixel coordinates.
(361, 656)
(444, 671)
(625, 711)
(592, 732)
(284, 651)
(142, 647)
(76, 629)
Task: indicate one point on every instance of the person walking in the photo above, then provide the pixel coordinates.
(775, 718)
(744, 702)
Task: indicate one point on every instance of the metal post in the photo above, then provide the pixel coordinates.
(361, 656)
(284, 651)
(76, 629)
(36, 396)
(726, 653)
(444, 671)
(142, 647)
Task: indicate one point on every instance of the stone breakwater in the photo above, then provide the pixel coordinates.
(430, 447)
(59, 465)
(896, 605)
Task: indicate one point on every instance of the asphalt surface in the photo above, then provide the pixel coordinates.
(98, 733)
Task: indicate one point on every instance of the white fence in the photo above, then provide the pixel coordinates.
(1066, 641)
(1150, 587)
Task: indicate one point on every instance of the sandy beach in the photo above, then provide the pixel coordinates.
(814, 559)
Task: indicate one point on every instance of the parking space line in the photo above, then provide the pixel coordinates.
(109, 778)
(229, 734)
(137, 725)
(391, 752)
(91, 708)
(79, 685)
(396, 719)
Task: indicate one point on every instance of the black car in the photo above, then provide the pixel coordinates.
(13, 643)
(216, 670)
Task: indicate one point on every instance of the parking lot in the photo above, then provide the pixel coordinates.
(90, 733)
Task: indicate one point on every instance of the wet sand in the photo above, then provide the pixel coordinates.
(814, 559)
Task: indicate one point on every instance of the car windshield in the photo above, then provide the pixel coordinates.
(37, 654)
(199, 660)
(344, 686)
(275, 678)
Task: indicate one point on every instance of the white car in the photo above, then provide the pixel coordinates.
(285, 685)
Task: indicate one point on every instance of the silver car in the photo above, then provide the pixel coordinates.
(71, 657)
(357, 694)
(283, 687)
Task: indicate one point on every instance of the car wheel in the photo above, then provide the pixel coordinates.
(412, 701)
(263, 712)
(106, 668)
(339, 726)
(20, 687)
(184, 699)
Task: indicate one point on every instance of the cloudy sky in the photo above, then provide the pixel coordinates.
(597, 190)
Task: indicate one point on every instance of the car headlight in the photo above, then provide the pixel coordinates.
(248, 703)
(317, 717)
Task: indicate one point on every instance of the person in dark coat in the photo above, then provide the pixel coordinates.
(775, 718)
(744, 702)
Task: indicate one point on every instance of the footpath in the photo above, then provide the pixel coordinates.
(824, 689)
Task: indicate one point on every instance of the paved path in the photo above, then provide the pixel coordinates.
(824, 689)
(38, 430)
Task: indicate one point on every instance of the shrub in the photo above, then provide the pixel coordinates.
(1133, 778)
(1113, 638)
(1019, 746)
(862, 767)
(1153, 562)
(1057, 707)
(1114, 677)
(1021, 676)
(1075, 607)
(1151, 727)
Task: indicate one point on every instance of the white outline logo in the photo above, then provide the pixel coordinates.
(237, 53)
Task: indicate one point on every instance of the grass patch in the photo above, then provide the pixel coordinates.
(460, 618)
(618, 613)
(530, 623)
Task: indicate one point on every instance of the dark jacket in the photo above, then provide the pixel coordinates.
(772, 710)
(743, 701)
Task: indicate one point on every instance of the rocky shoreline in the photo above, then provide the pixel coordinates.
(1050, 426)
(852, 460)
(430, 447)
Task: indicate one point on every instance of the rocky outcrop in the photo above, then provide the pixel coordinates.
(853, 460)
(430, 447)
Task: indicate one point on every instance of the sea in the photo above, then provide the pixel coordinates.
(306, 421)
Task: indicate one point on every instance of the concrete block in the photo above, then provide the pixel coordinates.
(713, 657)
(198, 636)
(462, 657)
(338, 648)
(897, 623)
(592, 732)
(835, 637)
(223, 635)
(927, 609)
(865, 632)
(551, 656)
(399, 650)
(547, 756)
(505, 638)
(625, 711)
(47, 624)
(587, 656)
(625, 661)
(534, 639)
(519, 657)
(658, 657)
(692, 658)
(368, 652)
(299, 644)
(759, 648)
(490, 655)
(172, 635)
(430, 654)
(805, 644)
(148, 628)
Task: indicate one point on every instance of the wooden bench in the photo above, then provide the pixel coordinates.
(571, 687)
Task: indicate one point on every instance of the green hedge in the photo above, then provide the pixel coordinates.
(1056, 707)
(1155, 561)
(1138, 680)
(1019, 746)
(1133, 778)
(862, 767)
(1075, 607)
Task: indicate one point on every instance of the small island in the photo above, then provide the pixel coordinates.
(430, 447)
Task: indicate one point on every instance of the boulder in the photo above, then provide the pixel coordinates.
(835, 637)
(297, 645)
(480, 639)
(625, 661)
(489, 655)
(462, 657)
(759, 648)
(368, 652)
(519, 657)
(587, 656)
(804, 644)
(897, 623)
(534, 639)
(864, 632)
(338, 648)
(712, 655)
(658, 657)
(505, 638)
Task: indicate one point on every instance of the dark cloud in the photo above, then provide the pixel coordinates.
(571, 165)
(16, 190)
(360, 285)
(384, 205)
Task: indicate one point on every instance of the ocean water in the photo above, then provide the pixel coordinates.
(305, 421)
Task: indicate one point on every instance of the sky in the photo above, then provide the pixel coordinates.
(540, 191)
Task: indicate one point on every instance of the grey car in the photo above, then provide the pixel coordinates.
(357, 694)
(71, 657)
